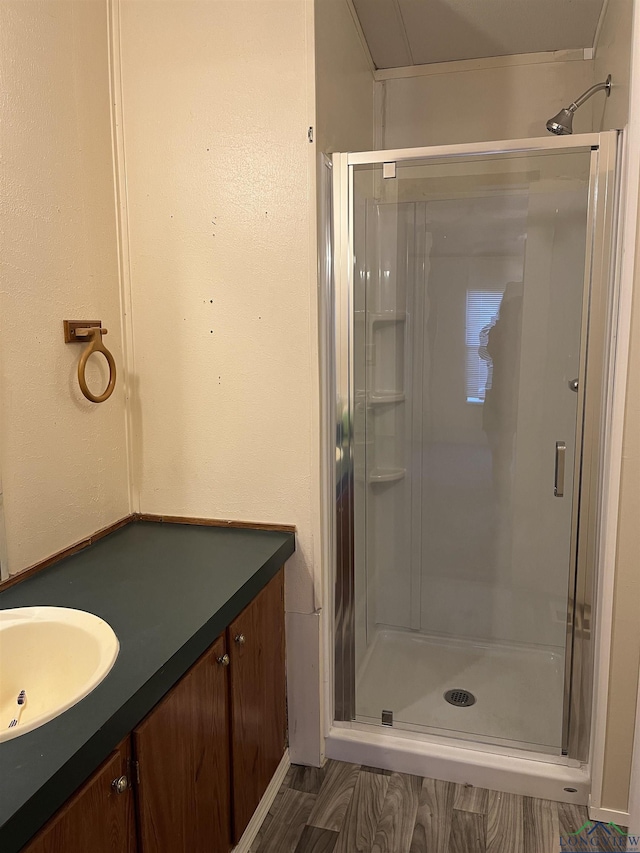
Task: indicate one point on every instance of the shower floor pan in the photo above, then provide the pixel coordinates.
(518, 690)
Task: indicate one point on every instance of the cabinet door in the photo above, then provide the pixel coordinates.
(182, 750)
(97, 818)
(258, 698)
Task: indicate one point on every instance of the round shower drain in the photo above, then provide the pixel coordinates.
(460, 698)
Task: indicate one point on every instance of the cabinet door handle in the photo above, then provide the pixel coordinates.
(240, 639)
(120, 785)
(224, 660)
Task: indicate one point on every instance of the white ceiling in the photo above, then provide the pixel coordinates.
(416, 32)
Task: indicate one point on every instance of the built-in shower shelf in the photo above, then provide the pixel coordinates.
(386, 397)
(386, 475)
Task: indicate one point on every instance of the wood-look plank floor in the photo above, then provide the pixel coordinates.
(345, 808)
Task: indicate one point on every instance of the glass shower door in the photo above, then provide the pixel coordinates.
(469, 318)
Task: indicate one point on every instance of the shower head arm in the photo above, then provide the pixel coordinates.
(586, 95)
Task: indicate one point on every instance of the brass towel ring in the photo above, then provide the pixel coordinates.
(95, 345)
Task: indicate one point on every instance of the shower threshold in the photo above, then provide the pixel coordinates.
(513, 771)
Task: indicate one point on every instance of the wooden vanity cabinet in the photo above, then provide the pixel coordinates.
(258, 699)
(182, 754)
(98, 818)
(201, 760)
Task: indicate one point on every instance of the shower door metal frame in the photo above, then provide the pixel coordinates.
(598, 323)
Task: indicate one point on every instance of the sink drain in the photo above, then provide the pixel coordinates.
(460, 698)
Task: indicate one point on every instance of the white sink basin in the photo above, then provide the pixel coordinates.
(56, 655)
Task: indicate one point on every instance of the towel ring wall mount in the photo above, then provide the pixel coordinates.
(90, 332)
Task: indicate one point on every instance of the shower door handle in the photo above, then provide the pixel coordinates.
(561, 452)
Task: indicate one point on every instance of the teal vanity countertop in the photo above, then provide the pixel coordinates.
(168, 591)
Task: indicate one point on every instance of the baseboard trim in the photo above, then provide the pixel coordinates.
(605, 815)
(249, 835)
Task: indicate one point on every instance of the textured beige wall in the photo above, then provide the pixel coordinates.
(613, 56)
(483, 104)
(218, 98)
(625, 641)
(217, 164)
(63, 459)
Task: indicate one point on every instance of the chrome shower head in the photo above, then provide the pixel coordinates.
(562, 123)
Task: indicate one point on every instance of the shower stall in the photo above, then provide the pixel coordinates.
(472, 314)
